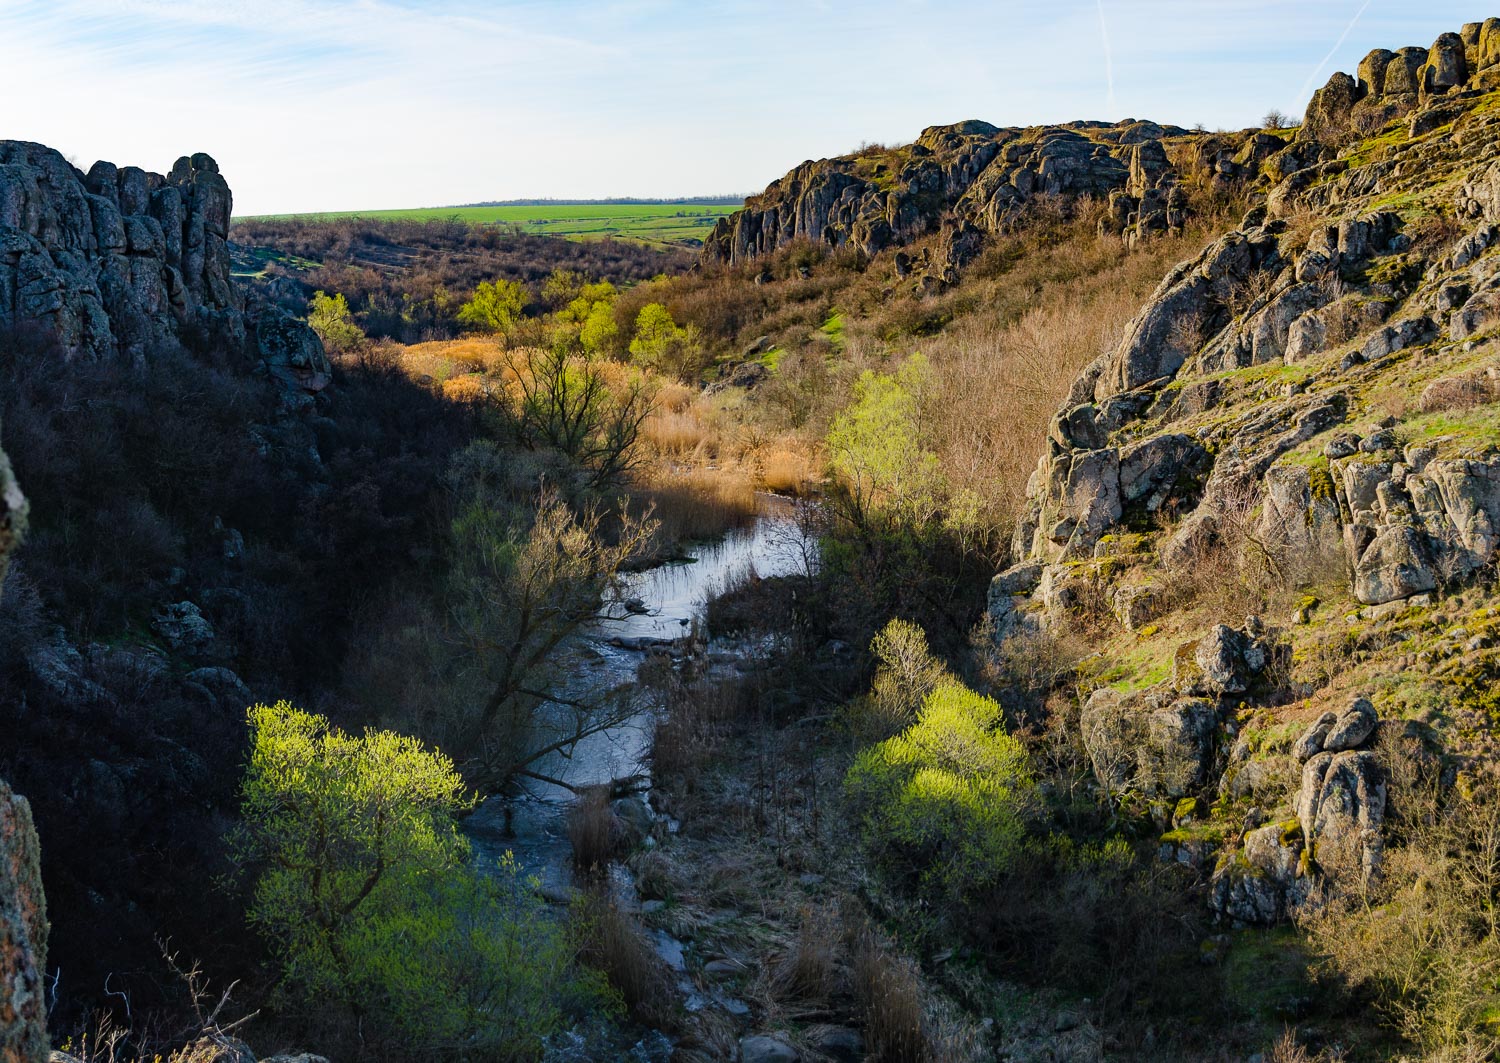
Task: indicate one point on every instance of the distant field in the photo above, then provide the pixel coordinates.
(653, 223)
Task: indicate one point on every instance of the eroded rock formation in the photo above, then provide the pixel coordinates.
(119, 262)
(1309, 391)
(964, 179)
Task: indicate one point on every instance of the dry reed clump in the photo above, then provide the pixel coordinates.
(594, 830)
(681, 433)
(697, 502)
(691, 728)
(784, 471)
(889, 990)
(809, 969)
(614, 943)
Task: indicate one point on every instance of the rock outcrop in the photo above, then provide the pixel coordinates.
(23, 907)
(1168, 422)
(967, 180)
(1310, 398)
(119, 262)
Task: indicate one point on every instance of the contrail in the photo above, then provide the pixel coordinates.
(1109, 59)
(1318, 70)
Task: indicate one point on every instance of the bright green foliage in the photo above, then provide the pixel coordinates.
(479, 964)
(946, 799)
(875, 444)
(908, 672)
(599, 334)
(494, 307)
(329, 316)
(366, 896)
(661, 345)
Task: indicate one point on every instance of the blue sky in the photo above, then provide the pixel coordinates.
(361, 104)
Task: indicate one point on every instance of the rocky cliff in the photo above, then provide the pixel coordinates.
(118, 262)
(971, 179)
(1312, 396)
(23, 908)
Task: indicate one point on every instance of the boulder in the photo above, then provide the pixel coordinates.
(1312, 740)
(1341, 807)
(1395, 565)
(183, 625)
(1261, 884)
(1227, 660)
(838, 1043)
(1352, 727)
(762, 1049)
(1372, 71)
(1447, 68)
(1154, 741)
(291, 351)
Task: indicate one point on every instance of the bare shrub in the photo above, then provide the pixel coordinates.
(1251, 291)
(1232, 564)
(594, 830)
(1287, 1049)
(1423, 939)
(1464, 391)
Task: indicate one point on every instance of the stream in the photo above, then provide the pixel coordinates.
(671, 604)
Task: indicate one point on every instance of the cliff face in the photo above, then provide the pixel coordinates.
(969, 180)
(23, 908)
(968, 176)
(1311, 397)
(119, 262)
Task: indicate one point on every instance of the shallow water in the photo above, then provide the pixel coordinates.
(675, 596)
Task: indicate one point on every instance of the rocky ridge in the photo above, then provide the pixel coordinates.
(1314, 389)
(118, 262)
(970, 179)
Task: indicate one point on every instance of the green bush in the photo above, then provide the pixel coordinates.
(367, 898)
(947, 799)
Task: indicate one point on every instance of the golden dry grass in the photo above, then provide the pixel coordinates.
(698, 502)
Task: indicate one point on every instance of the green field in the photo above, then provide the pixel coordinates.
(655, 223)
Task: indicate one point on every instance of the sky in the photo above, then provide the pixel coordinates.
(315, 105)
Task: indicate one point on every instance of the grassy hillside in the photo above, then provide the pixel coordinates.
(652, 223)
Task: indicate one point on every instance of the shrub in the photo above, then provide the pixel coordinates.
(947, 798)
(365, 894)
(329, 317)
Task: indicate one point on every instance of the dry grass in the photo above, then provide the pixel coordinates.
(1477, 387)
(614, 943)
(698, 502)
(788, 472)
(593, 829)
(808, 970)
(889, 990)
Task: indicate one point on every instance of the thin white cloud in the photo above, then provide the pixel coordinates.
(1307, 86)
(1109, 61)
